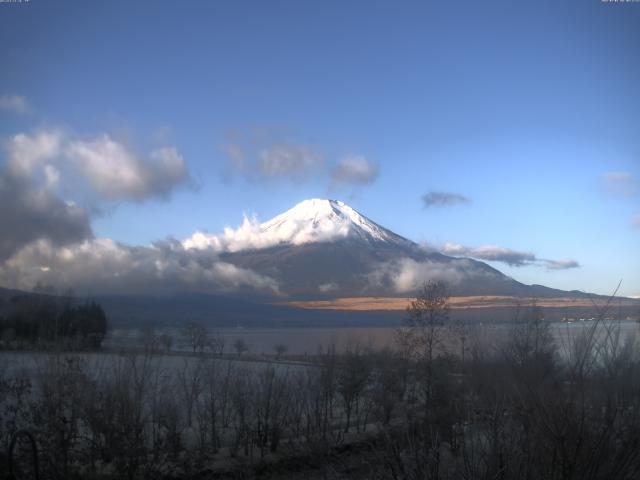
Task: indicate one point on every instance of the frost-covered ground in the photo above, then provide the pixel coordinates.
(101, 364)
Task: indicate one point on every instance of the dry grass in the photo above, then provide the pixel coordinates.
(488, 301)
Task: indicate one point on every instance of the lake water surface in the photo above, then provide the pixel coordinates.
(302, 341)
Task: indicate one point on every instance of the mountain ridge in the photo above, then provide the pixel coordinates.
(324, 248)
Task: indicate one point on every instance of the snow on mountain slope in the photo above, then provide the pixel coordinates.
(311, 221)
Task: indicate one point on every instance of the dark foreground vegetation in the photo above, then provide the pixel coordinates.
(36, 320)
(519, 407)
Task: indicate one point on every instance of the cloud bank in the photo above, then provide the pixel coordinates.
(101, 265)
(247, 236)
(48, 240)
(252, 235)
(28, 213)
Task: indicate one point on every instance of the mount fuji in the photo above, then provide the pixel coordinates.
(326, 249)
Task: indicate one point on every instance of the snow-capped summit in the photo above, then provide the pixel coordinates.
(310, 221)
(319, 220)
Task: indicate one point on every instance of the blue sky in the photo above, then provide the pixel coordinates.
(528, 111)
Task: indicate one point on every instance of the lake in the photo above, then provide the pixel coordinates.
(300, 341)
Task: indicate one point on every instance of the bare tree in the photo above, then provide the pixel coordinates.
(213, 405)
(353, 376)
(190, 384)
(195, 336)
(218, 343)
(461, 332)
(422, 333)
(240, 346)
(427, 313)
(148, 339)
(166, 341)
(388, 383)
(531, 343)
(280, 350)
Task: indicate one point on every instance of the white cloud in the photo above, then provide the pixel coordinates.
(355, 170)
(295, 162)
(39, 164)
(168, 169)
(247, 236)
(328, 287)
(16, 103)
(104, 266)
(636, 221)
(561, 264)
(263, 154)
(27, 153)
(408, 275)
(253, 235)
(112, 170)
(52, 176)
(119, 174)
